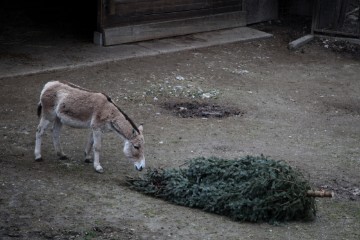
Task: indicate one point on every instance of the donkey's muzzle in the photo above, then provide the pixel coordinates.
(139, 168)
(140, 165)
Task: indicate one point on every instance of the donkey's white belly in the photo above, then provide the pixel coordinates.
(75, 123)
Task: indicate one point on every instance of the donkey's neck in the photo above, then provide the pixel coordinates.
(122, 126)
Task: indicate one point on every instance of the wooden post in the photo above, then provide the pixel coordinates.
(359, 19)
(315, 15)
(100, 15)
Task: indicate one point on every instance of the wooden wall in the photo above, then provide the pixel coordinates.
(123, 21)
(124, 12)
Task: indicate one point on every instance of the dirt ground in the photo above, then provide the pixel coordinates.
(299, 106)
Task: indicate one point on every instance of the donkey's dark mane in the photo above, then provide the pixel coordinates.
(123, 113)
(110, 100)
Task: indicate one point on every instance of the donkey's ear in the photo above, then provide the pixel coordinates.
(141, 128)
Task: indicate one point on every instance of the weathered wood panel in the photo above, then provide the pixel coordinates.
(123, 12)
(340, 17)
(146, 31)
(124, 21)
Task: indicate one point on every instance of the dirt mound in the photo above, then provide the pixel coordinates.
(201, 110)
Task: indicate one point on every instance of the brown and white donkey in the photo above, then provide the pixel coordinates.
(68, 104)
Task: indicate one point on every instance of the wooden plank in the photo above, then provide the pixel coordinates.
(141, 32)
(175, 6)
(147, 9)
(121, 12)
(113, 21)
(338, 33)
(167, 2)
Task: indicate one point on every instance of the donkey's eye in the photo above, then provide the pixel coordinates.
(136, 147)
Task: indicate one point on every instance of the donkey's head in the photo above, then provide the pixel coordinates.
(134, 149)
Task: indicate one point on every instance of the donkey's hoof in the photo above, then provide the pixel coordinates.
(38, 159)
(63, 157)
(99, 169)
(88, 160)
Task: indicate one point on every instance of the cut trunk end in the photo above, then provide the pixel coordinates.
(322, 193)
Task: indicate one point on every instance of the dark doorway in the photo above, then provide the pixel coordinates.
(24, 21)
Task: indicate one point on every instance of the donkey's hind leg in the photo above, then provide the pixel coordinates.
(56, 139)
(97, 149)
(88, 148)
(39, 133)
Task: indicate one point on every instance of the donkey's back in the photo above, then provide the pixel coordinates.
(72, 105)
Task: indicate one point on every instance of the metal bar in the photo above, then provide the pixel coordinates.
(359, 17)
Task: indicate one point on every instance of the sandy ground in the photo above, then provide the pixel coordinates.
(299, 106)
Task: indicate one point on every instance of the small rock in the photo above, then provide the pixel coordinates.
(206, 95)
(356, 192)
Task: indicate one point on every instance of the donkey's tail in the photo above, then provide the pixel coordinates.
(39, 108)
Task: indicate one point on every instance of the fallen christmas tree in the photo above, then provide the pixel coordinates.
(254, 189)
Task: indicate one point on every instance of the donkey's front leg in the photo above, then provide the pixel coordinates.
(88, 148)
(56, 139)
(97, 148)
(39, 132)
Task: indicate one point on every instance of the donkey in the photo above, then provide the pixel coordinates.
(68, 104)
